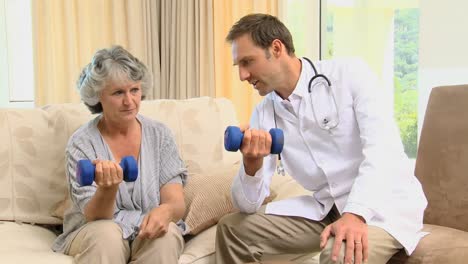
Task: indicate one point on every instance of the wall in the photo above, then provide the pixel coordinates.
(443, 43)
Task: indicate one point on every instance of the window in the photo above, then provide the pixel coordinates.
(16, 55)
(386, 35)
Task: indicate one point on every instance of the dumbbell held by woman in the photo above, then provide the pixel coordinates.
(86, 169)
(233, 139)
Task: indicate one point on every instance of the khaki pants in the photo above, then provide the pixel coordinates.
(243, 238)
(101, 242)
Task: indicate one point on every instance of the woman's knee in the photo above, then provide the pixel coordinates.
(101, 235)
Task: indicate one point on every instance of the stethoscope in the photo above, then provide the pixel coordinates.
(327, 122)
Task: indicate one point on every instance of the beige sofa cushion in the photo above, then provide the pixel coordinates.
(32, 163)
(197, 125)
(24, 243)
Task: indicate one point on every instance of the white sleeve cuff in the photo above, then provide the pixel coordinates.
(360, 210)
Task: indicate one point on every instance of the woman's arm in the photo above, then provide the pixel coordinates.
(171, 209)
(108, 176)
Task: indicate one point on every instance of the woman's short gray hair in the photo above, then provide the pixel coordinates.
(110, 65)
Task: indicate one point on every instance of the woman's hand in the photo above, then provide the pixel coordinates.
(108, 174)
(172, 208)
(156, 223)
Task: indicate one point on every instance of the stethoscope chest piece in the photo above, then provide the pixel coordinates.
(323, 101)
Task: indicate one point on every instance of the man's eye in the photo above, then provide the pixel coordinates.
(135, 90)
(117, 93)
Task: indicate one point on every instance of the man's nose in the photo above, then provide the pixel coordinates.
(243, 74)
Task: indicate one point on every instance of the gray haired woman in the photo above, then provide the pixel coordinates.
(112, 221)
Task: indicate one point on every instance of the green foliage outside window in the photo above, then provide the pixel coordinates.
(406, 77)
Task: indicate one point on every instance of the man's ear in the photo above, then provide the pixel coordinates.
(277, 47)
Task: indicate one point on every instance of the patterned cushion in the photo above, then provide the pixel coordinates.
(32, 164)
(208, 197)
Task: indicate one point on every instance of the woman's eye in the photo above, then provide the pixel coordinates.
(135, 90)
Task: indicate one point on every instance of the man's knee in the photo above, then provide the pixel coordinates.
(228, 224)
(326, 254)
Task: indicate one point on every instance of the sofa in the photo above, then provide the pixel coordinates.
(33, 187)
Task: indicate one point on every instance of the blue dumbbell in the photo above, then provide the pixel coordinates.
(233, 139)
(85, 171)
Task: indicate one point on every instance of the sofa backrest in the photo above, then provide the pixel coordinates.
(33, 141)
(442, 160)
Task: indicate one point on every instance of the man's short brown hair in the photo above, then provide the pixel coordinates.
(263, 29)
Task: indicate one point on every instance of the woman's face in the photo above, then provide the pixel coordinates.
(121, 101)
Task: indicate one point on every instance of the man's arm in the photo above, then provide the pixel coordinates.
(251, 185)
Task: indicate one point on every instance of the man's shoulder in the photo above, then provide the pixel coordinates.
(342, 63)
(266, 100)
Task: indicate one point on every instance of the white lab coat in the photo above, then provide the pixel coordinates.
(360, 165)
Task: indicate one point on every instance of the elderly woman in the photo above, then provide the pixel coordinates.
(112, 221)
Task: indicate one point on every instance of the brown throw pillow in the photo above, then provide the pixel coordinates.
(208, 197)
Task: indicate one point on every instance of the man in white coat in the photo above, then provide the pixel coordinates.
(366, 203)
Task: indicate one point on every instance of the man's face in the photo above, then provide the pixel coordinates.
(256, 65)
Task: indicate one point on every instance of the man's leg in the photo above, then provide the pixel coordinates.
(243, 238)
(99, 242)
(382, 246)
(165, 249)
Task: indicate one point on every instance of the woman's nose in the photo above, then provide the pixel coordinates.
(127, 99)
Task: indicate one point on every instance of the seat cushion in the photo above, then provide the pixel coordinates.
(24, 243)
(442, 245)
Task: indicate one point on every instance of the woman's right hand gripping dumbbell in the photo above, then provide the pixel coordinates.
(256, 145)
(108, 174)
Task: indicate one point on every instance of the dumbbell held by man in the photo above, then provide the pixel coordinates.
(86, 169)
(233, 139)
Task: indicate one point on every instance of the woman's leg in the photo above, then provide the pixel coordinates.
(100, 242)
(165, 249)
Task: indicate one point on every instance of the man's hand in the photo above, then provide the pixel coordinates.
(156, 223)
(255, 146)
(352, 229)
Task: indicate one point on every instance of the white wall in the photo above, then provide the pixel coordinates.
(443, 47)
(16, 54)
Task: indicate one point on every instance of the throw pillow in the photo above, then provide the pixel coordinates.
(208, 196)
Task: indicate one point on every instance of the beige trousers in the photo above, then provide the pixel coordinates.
(101, 242)
(243, 238)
